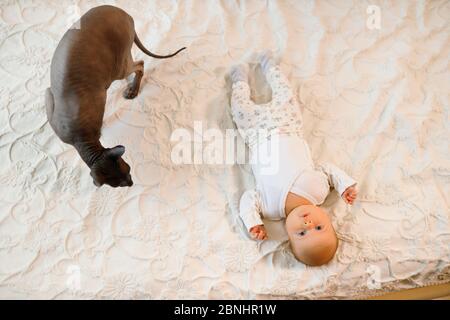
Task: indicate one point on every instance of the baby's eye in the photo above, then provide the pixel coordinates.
(319, 228)
(302, 233)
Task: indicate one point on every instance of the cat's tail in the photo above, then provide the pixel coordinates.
(144, 49)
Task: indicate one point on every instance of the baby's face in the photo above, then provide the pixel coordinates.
(311, 234)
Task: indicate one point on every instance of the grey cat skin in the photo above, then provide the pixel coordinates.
(87, 60)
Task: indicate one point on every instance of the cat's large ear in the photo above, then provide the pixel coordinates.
(97, 184)
(95, 180)
(116, 152)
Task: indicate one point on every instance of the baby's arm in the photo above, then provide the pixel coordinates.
(341, 181)
(250, 213)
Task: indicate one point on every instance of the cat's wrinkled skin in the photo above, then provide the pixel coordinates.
(87, 60)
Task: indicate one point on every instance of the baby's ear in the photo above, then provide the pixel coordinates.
(116, 152)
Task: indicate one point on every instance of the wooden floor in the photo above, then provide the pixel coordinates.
(438, 292)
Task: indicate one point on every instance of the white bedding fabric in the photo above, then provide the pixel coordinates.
(375, 103)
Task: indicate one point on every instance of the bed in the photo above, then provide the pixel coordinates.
(372, 78)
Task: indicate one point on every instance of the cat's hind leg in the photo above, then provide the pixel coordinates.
(136, 67)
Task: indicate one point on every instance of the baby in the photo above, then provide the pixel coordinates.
(297, 188)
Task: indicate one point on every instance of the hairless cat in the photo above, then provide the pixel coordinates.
(87, 60)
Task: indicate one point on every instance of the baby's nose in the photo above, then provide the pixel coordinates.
(308, 223)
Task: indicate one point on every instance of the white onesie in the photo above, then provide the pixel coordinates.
(294, 168)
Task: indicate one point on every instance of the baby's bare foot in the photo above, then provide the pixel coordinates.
(239, 73)
(266, 60)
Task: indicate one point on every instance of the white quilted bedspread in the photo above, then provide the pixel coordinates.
(375, 102)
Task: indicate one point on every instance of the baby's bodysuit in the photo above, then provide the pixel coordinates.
(295, 173)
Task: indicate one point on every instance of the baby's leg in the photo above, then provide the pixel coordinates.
(281, 89)
(284, 109)
(242, 107)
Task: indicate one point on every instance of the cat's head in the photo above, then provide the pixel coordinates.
(111, 169)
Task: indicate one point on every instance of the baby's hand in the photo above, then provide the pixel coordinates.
(259, 232)
(350, 194)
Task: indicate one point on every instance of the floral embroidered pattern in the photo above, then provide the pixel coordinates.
(376, 101)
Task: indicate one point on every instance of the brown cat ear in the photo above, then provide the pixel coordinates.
(116, 152)
(95, 180)
(97, 184)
